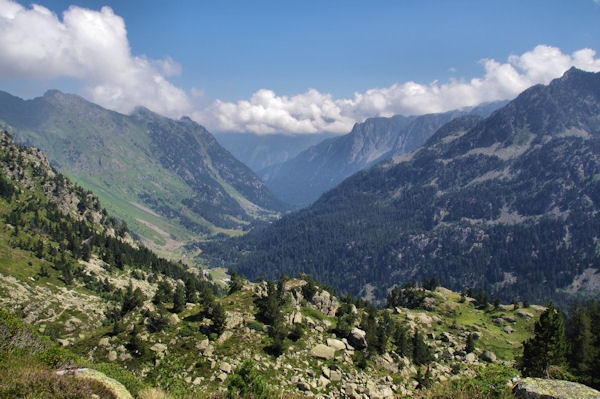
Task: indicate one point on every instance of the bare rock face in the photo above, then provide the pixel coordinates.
(539, 388)
(324, 302)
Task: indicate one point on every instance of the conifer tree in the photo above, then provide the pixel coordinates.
(581, 346)
(236, 283)
(547, 347)
(218, 318)
(190, 290)
(178, 299)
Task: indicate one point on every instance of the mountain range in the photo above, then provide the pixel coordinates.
(303, 178)
(168, 179)
(508, 203)
(261, 151)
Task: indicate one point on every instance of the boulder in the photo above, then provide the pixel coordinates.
(470, 357)
(173, 319)
(322, 352)
(202, 345)
(234, 320)
(539, 388)
(335, 375)
(112, 356)
(424, 319)
(509, 329)
(225, 336)
(525, 315)
(336, 344)
(358, 338)
(488, 356)
(225, 367)
(297, 318)
(159, 348)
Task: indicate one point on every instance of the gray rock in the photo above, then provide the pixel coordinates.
(335, 375)
(470, 357)
(322, 352)
(538, 388)
(509, 329)
(222, 377)
(112, 356)
(525, 315)
(225, 367)
(336, 344)
(357, 338)
(488, 356)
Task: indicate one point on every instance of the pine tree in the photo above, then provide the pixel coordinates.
(178, 299)
(421, 352)
(581, 347)
(547, 347)
(470, 344)
(218, 318)
(190, 290)
(236, 283)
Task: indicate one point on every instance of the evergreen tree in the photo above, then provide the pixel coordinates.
(421, 352)
(247, 382)
(470, 344)
(178, 299)
(163, 294)
(218, 318)
(403, 341)
(190, 290)
(547, 347)
(581, 346)
(236, 283)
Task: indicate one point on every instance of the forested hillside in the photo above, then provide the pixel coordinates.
(508, 203)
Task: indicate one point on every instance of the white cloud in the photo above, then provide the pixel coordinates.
(312, 111)
(91, 46)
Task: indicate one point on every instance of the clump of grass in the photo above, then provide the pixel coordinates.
(491, 382)
(153, 393)
(24, 377)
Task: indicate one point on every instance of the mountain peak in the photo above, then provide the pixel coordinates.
(53, 93)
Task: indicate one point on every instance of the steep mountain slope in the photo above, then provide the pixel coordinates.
(169, 180)
(261, 151)
(302, 179)
(508, 203)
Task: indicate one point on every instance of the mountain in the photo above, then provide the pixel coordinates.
(86, 311)
(261, 151)
(168, 179)
(508, 203)
(302, 179)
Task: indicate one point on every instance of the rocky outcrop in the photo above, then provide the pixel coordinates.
(357, 338)
(117, 389)
(538, 388)
(324, 302)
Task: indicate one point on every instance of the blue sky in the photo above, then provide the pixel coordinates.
(249, 65)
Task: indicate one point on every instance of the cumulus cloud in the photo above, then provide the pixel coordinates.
(313, 111)
(91, 46)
